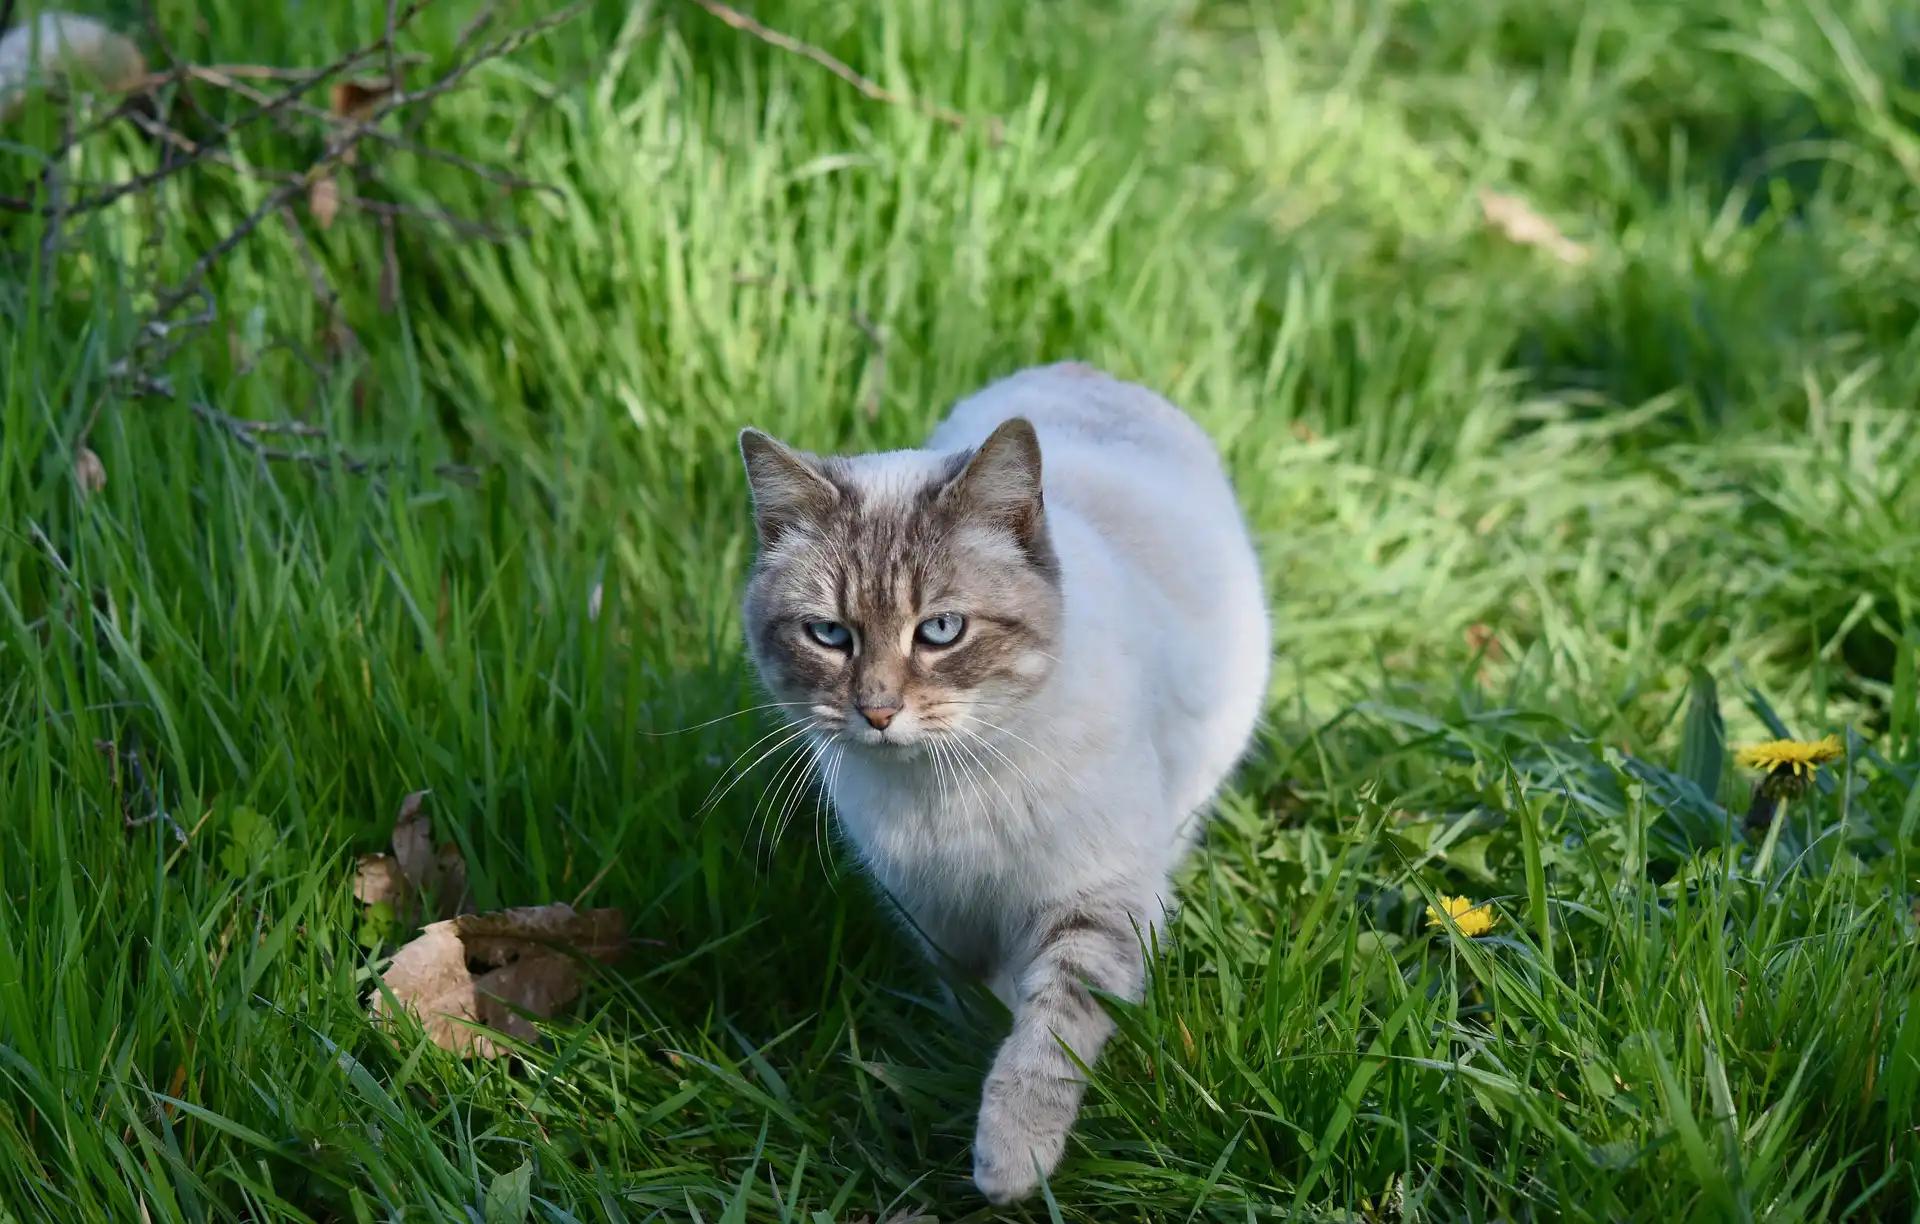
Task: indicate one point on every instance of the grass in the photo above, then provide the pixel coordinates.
(1542, 539)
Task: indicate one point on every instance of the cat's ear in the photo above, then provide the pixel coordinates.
(788, 490)
(1002, 482)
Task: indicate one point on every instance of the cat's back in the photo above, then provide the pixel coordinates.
(1128, 474)
(1087, 418)
(1155, 551)
(1136, 468)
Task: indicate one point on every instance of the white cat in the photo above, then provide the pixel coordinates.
(1024, 682)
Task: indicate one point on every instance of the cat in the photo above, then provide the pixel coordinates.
(1026, 657)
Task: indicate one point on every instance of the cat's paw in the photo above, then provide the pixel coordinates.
(1020, 1139)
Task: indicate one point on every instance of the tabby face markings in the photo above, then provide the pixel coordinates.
(901, 599)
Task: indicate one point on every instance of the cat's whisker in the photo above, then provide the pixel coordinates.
(968, 703)
(992, 775)
(796, 790)
(942, 751)
(714, 722)
(783, 729)
(1026, 779)
(939, 768)
(822, 833)
(740, 772)
(794, 764)
(960, 774)
(1036, 794)
(957, 727)
(1043, 753)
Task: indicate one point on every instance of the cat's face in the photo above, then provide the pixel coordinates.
(905, 597)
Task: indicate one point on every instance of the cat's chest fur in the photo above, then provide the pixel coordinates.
(972, 843)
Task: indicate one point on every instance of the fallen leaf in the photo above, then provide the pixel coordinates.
(378, 880)
(352, 101)
(88, 472)
(413, 842)
(1516, 221)
(451, 887)
(65, 49)
(1481, 639)
(356, 99)
(323, 200)
(415, 871)
(522, 968)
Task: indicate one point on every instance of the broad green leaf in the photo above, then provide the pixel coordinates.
(1703, 745)
(508, 1198)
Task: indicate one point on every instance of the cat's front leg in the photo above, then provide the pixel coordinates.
(1032, 1094)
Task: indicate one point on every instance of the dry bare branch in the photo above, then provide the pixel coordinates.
(368, 115)
(872, 89)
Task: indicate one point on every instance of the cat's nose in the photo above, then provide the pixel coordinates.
(878, 716)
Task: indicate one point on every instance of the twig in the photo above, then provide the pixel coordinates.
(146, 797)
(298, 81)
(316, 275)
(870, 402)
(388, 210)
(247, 434)
(159, 36)
(171, 300)
(140, 182)
(393, 53)
(57, 191)
(872, 89)
(275, 97)
(389, 268)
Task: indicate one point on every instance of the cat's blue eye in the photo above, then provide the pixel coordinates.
(941, 630)
(831, 634)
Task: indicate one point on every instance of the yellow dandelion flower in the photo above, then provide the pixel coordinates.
(1471, 919)
(1797, 757)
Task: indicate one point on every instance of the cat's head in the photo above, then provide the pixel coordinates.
(903, 596)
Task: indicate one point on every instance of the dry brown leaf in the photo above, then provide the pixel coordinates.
(451, 886)
(356, 99)
(523, 969)
(323, 200)
(1516, 221)
(1481, 638)
(353, 102)
(413, 842)
(65, 49)
(88, 472)
(378, 880)
(414, 871)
